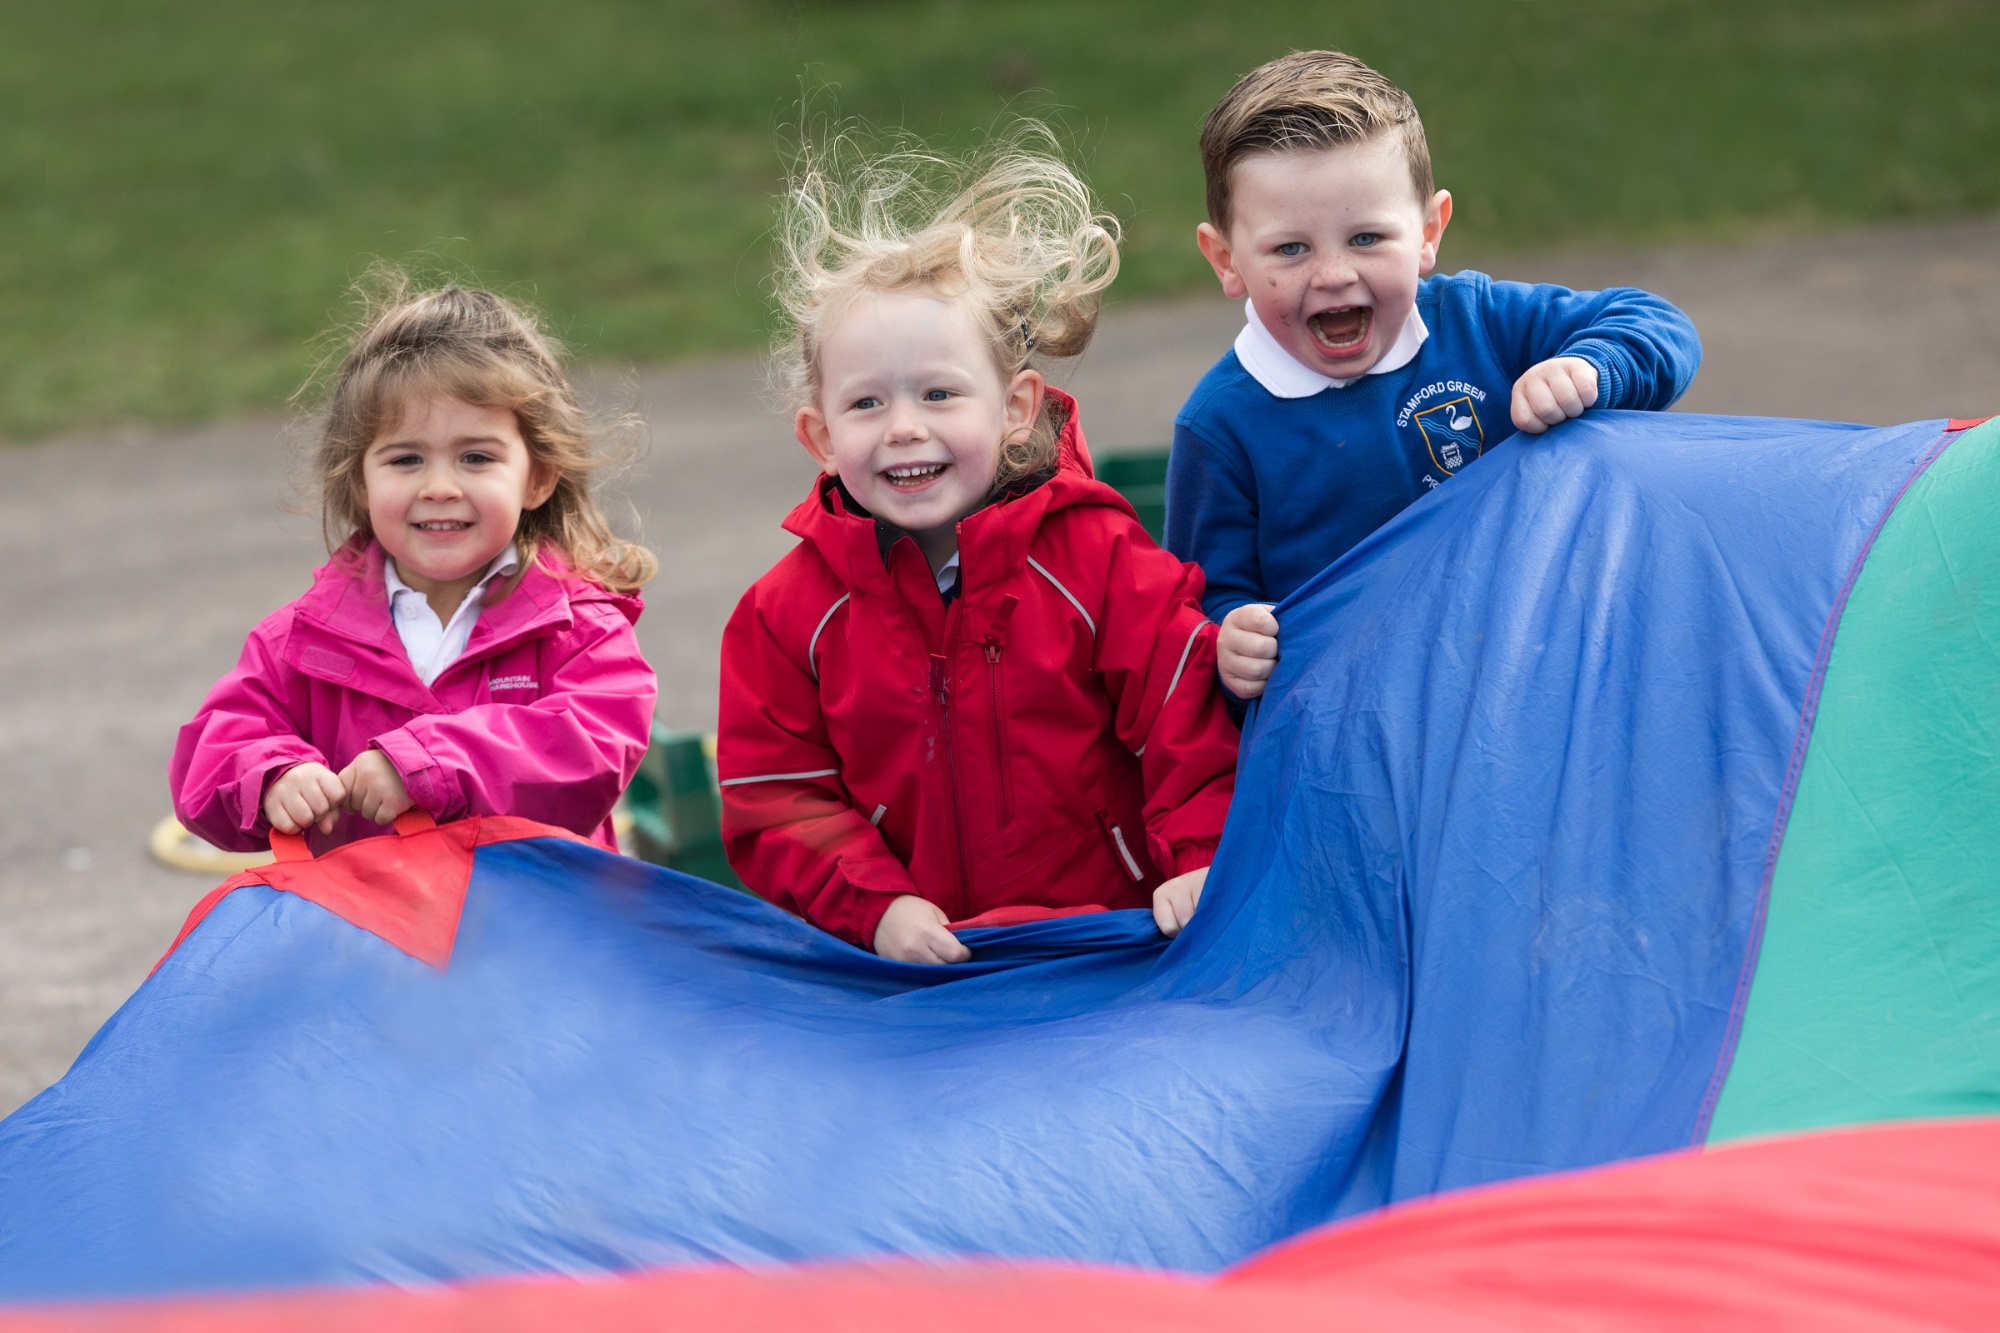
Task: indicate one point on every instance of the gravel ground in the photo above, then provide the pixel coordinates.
(137, 562)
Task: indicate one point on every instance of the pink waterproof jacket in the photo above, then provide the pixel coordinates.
(545, 715)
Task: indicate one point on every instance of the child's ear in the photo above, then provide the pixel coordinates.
(1216, 250)
(809, 428)
(1024, 402)
(1437, 216)
(542, 481)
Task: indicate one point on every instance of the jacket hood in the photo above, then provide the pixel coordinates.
(348, 600)
(993, 542)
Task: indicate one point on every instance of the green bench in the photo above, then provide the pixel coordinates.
(1142, 479)
(673, 803)
(676, 808)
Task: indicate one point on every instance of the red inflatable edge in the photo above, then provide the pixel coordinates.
(406, 888)
(1023, 913)
(1880, 1227)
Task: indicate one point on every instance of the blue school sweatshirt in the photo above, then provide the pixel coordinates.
(1264, 492)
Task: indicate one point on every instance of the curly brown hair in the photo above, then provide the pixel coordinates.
(479, 348)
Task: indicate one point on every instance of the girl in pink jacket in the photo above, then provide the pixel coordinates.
(469, 647)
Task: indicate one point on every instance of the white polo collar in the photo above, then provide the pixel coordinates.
(503, 564)
(431, 644)
(1282, 374)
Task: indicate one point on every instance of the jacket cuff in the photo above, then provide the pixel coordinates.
(866, 918)
(422, 778)
(257, 780)
(1195, 856)
(1613, 384)
(870, 885)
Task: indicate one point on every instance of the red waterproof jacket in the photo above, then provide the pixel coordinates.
(1054, 738)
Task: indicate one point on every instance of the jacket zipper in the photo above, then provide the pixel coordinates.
(996, 642)
(941, 691)
(999, 734)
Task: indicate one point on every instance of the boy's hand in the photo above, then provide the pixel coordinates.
(374, 788)
(304, 795)
(913, 930)
(1174, 902)
(1553, 391)
(1246, 651)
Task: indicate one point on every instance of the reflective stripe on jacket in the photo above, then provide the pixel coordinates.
(1056, 737)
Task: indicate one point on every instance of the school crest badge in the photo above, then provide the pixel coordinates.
(1453, 433)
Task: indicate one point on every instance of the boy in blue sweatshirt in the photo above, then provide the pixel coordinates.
(1357, 383)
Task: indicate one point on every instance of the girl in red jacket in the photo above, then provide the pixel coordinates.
(976, 691)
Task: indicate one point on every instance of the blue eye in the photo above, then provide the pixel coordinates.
(867, 404)
(936, 395)
(1292, 249)
(1362, 240)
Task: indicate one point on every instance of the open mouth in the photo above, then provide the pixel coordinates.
(1342, 332)
(443, 525)
(909, 476)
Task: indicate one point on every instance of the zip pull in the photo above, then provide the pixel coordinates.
(1124, 851)
(940, 678)
(996, 631)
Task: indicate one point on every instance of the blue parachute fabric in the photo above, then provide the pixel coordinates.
(1483, 910)
(623, 1067)
(1543, 730)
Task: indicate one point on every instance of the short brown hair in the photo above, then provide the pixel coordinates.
(482, 349)
(1304, 101)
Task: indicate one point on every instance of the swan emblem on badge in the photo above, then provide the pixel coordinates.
(1452, 433)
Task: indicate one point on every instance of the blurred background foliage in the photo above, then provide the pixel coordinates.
(187, 189)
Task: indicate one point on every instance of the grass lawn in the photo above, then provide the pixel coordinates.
(186, 189)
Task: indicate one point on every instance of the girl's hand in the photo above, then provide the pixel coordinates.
(1174, 902)
(1246, 651)
(304, 795)
(913, 930)
(374, 788)
(1551, 392)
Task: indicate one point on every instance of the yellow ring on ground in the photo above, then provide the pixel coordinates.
(172, 844)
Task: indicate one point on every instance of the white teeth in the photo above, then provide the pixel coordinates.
(913, 471)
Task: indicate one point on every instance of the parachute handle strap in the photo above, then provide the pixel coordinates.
(292, 846)
(416, 819)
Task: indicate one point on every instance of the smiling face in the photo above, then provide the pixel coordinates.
(1328, 244)
(446, 484)
(912, 412)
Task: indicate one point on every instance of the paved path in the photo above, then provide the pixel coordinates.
(136, 564)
